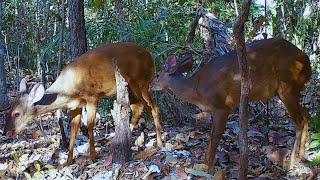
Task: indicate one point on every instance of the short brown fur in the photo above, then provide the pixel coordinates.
(277, 68)
(86, 80)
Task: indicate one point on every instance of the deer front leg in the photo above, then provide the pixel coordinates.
(91, 110)
(219, 121)
(75, 124)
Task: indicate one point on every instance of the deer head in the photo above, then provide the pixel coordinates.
(172, 68)
(23, 110)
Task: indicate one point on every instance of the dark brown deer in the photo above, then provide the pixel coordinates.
(277, 68)
(82, 83)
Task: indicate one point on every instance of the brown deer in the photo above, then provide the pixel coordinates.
(82, 83)
(277, 68)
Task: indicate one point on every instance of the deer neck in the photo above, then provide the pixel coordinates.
(184, 88)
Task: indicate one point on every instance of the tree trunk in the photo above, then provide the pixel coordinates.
(64, 139)
(123, 33)
(78, 46)
(4, 102)
(77, 28)
(62, 23)
(238, 31)
(47, 16)
(216, 37)
(121, 114)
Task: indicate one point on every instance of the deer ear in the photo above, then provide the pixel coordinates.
(186, 63)
(23, 86)
(171, 64)
(36, 93)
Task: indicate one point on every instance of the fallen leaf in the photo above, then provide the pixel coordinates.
(253, 133)
(152, 169)
(116, 171)
(200, 167)
(279, 157)
(198, 173)
(3, 166)
(145, 154)
(195, 134)
(202, 117)
(257, 171)
(140, 140)
(82, 161)
(150, 144)
(220, 175)
(278, 138)
(171, 159)
(234, 126)
(83, 149)
(314, 173)
(181, 173)
(27, 175)
(165, 170)
(107, 162)
(169, 146)
(103, 175)
(36, 134)
(182, 138)
(222, 156)
(180, 146)
(53, 174)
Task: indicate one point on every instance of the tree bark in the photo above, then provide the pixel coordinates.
(4, 102)
(238, 31)
(77, 28)
(62, 23)
(47, 16)
(78, 46)
(64, 139)
(216, 38)
(123, 33)
(121, 114)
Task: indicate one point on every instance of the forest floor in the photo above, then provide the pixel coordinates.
(35, 154)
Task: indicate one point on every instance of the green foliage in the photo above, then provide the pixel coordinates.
(160, 26)
(315, 143)
(314, 162)
(32, 31)
(315, 139)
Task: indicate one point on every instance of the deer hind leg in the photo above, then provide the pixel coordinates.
(136, 109)
(75, 124)
(220, 118)
(290, 98)
(155, 113)
(91, 110)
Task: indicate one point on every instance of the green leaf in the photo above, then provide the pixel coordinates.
(16, 155)
(49, 167)
(37, 166)
(315, 136)
(314, 162)
(38, 175)
(27, 175)
(314, 144)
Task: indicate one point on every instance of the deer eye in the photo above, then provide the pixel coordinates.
(16, 115)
